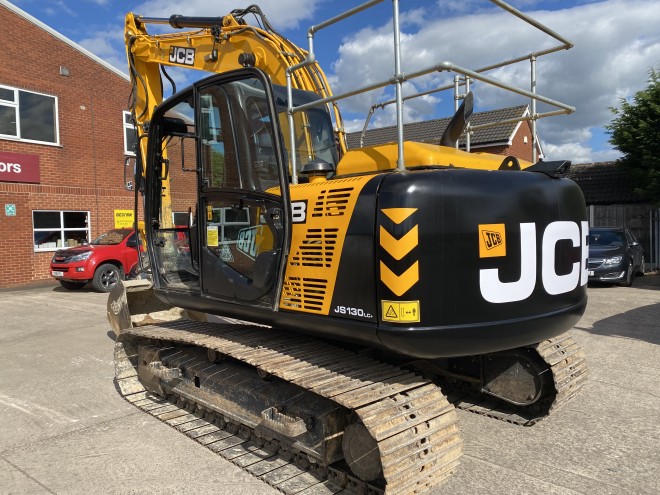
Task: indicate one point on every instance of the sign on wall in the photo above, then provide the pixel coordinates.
(124, 219)
(19, 167)
(10, 210)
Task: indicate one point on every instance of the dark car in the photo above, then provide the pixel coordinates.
(103, 262)
(615, 256)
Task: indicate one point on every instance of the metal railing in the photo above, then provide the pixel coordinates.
(398, 78)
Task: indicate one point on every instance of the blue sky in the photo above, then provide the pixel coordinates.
(616, 44)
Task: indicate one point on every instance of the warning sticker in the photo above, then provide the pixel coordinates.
(212, 235)
(400, 311)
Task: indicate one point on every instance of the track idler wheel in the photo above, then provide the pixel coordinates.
(361, 452)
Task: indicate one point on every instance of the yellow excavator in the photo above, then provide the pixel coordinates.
(327, 301)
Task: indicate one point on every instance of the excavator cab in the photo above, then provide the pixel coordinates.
(223, 129)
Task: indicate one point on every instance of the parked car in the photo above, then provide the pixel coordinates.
(103, 262)
(615, 256)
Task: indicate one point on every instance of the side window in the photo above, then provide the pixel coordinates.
(237, 148)
(237, 236)
(261, 141)
(232, 235)
(219, 159)
(132, 241)
(179, 144)
(172, 245)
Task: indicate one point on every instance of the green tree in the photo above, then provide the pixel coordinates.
(635, 132)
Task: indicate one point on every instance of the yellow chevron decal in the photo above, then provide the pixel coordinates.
(398, 248)
(398, 215)
(399, 284)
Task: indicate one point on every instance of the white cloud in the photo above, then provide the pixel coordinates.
(578, 153)
(616, 43)
(105, 45)
(58, 8)
(575, 152)
(606, 155)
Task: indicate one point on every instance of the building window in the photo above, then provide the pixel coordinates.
(229, 222)
(130, 135)
(28, 116)
(59, 229)
(181, 218)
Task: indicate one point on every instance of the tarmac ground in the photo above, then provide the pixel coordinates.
(66, 430)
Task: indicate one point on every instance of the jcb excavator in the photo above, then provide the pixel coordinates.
(331, 293)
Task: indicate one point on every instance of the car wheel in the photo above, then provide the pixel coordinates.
(72, 285)
(629, 276)
(106, 277)
(642, 268)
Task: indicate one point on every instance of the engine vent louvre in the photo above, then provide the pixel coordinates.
(316, 249)
(332, 203)
(304, 293)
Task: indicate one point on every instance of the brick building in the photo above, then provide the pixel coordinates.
(512, 138)
(64, 135)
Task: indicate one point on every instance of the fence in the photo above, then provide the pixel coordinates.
(643, 221)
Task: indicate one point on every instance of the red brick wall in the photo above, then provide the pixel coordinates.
(85, 172)
(518, 147)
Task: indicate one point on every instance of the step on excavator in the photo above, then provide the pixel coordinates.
(314, 313)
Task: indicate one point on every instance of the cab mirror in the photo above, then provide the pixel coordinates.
(129, 173)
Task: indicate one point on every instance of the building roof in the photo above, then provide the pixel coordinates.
(61, 37)
(430, 131)
(604, 183)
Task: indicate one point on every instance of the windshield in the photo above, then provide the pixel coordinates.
(606, 238)
(112, 237)
(314, 133)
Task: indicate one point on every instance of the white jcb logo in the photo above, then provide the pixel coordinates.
(495, 291)
(182, 55)
(299, 211)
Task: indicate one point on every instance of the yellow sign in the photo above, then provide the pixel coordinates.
(212, 236)
(492, 240)
(124, 219)
(400, 311)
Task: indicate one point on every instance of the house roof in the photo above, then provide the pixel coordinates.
(430, 131)
(604, 183)
(61, 37)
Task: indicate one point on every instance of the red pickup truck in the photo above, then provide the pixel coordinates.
(104, 261)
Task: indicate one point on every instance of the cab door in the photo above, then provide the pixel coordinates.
(242, 222)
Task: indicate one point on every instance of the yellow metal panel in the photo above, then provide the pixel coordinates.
(398, 215)
(399, 284)
(317, 244)
(383, 157)
(398, 248)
